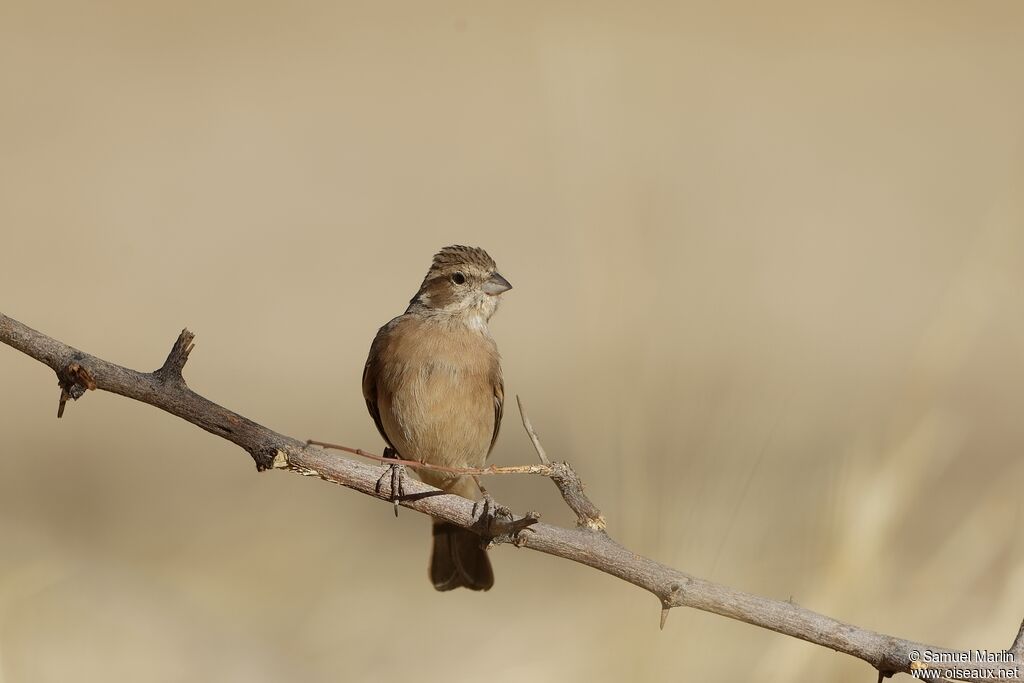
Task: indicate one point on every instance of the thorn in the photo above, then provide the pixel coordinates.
(74, 380)
(664, 617)
(532, 433)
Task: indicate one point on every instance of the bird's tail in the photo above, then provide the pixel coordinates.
(459, 560)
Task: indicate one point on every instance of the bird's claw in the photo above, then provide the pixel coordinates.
(490, 509)
(397, 478)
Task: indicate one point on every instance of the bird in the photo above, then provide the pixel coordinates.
(433, 386)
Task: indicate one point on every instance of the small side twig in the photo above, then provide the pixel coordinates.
(176, 359)
(569, 484)
(418, 465)
(532, 433)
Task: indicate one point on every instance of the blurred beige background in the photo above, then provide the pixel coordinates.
(768, 263)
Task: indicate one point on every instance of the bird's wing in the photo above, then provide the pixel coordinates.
(498, 385)
(370, 382)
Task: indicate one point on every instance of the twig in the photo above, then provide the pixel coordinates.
(418, 465)
(78, 371)
(532, 433)
(569, 484)
(170, 371)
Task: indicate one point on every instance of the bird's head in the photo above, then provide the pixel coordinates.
(464, 283)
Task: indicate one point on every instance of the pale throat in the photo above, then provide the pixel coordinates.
(474, 311)
(475, 321)
(476, 315)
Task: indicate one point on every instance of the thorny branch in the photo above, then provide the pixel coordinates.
(587, 544)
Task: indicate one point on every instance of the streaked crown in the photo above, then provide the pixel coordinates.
(458, 255)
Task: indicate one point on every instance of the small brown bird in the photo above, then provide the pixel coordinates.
(433, 385)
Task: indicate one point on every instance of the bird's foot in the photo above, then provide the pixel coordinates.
(490, 509)
(396, 472)
(510, 531)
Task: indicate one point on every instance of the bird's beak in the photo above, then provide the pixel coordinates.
(496, 285)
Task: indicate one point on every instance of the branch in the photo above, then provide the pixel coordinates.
(166, 389)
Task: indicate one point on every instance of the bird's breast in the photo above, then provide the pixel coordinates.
(437, 396)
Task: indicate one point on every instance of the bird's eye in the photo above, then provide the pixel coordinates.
(459, 278)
